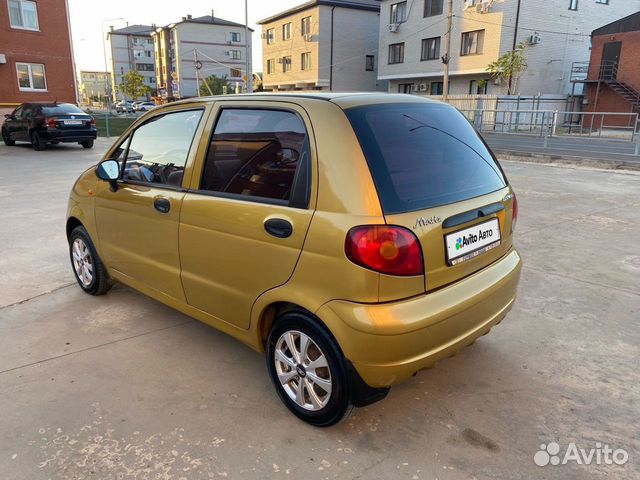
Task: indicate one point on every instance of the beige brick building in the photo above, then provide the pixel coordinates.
(412, 41)
(322, 45)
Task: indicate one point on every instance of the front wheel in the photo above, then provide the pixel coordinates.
(308, 370)
(89, 270)
(6, 138)
(87, 144)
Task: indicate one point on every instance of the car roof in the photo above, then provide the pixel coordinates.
(342, 99)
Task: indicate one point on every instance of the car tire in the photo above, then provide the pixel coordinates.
(87, 144)
(6, 138)
(88, 269)
(36, 142)
(321, 397)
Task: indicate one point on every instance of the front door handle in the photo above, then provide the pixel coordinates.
(278, 227)
(161, 204)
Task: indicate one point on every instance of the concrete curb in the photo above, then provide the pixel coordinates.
(528, 157)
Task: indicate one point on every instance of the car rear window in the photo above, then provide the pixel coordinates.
(62, 109)
(423, 155)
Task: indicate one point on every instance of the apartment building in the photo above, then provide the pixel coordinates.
(131, 48)
(36, 56)
(94, 87)
(198, 47)
(322, 45)
(557, 33)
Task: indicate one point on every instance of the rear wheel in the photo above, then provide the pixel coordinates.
(308, 370)
(6, 138)
(36, 141)
(87, 144)
(87, 266)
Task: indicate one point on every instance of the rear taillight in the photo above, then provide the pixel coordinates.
(50, 122)
(514, 214)
(385, 249)
(92, 121)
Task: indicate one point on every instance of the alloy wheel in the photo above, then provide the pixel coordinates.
(82, 262)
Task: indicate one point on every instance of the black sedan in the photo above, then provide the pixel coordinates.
(49, 123)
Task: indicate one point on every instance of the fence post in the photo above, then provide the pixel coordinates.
(554, 124)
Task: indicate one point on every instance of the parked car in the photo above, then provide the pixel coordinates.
(49, 123)
(145, 106)
(353, 239)
(124, 107)
(136, 104)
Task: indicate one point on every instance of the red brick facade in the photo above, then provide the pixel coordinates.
(49, 45)
(604, 98)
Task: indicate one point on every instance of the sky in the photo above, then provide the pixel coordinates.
(87, 17)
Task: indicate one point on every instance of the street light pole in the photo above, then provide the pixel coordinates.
(447, 55)
(248, 50)
(106, 69)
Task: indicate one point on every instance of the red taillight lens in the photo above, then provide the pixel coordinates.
(390, 250)
(92, 121)
(50, 122)
(514, 215)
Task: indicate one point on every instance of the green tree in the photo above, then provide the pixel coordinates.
(133, 86)
(216, 85)
(510, 67)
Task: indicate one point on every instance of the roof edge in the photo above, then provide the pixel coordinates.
(318, 3)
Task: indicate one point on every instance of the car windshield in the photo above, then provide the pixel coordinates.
(424, 155)
(62, 109)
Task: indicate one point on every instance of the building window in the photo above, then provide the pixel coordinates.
(405, 88)
(478, 87)
(235, 73)
(432, 7)
(437, 88)
(472, 43)
(573, 4)
(271, 66)
(235, 54)
(398, 11)
(270, 36)
(305, 27)
(396, 53)
(370, 63)
(306, 61)
(235, 37)
(430, 49)
(31, 77)
(286, 64)
(286, 31)
(23, 14)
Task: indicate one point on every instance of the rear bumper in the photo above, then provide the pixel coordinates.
(68, 135)
(387, 343)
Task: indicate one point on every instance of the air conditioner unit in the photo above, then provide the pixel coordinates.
(307, 37)
(483, 7)
(534, 39)
(228, 52)
(393, 27)
(422, 87)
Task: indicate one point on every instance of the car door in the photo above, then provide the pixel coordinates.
(245, 218)
(11, 123)
(19, 125)
(138, 223)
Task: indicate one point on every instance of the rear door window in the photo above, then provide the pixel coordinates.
(424, 155)
(259, 154)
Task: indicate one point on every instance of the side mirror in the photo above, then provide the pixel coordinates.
(109, 171)
(9, 116)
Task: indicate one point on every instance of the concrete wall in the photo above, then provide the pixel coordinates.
(50, 46)
(127, 51)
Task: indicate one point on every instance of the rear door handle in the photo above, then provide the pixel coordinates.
(278, 227)
(161, 204)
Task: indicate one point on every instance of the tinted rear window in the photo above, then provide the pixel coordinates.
(423, 155)
(62, 109)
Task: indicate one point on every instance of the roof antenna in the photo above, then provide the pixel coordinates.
(213, 17)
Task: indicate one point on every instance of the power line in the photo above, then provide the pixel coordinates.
(523, 28)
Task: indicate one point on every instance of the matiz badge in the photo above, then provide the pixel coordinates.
(425, 222)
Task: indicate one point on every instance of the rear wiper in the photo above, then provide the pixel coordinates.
(425, 125)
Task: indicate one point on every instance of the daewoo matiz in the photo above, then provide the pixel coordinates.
(355, 239)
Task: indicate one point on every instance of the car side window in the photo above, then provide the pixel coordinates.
(259, 154)
(17, 113)
(159, 148)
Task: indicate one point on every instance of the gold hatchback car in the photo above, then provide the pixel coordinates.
(356, 239)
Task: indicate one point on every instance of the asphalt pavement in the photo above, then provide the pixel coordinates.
(122, 387)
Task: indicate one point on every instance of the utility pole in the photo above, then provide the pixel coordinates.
(248, 51)
(447, 54)
(196, 65)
